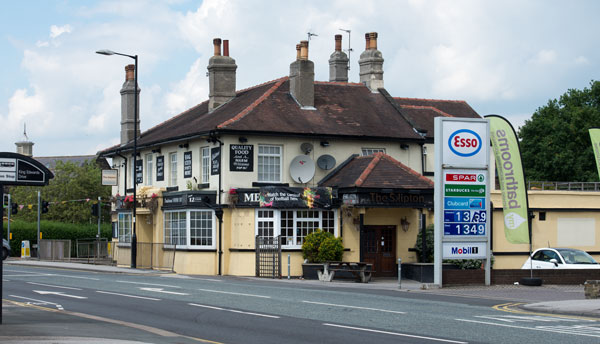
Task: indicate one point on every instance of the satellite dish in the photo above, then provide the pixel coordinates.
(306, 147)
(302, 169)
(326, 162)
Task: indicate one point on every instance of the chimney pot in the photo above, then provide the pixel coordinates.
(304, 50)
(298, 47)
(225, 47)
(129, 72)
(367, 39)
(217, 45)
(373, 40)
(338, 42)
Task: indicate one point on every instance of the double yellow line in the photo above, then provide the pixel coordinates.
(512, 307)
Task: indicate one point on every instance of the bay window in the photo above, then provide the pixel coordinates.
(124, 227)
(191, 229)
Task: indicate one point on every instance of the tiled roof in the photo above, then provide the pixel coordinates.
(79, 160)
(378, 170)
(341, 110)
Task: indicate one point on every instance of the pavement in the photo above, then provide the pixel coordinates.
(18, 318)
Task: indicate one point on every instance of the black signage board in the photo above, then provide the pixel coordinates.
(194, 199)
(215, 161)
(187, 164)
(139, 171)
(160, 168)
(241, 158)
(18, 169)
(389, 199)
(280, 197)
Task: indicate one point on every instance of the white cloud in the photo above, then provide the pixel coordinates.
(581, 60)
(190, 91)
(545, 56)
(56, 31)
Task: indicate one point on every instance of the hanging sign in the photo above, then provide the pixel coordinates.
(139, 171)
(215, 161)
(160, 168)
(241, 158)
(187, 164)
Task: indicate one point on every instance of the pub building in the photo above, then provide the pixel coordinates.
(278, 160)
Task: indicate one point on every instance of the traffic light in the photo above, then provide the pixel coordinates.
(95, 209)
(45, 207)
(14, 209)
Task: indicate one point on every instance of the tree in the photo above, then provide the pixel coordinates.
(555, 143)
(67, 193)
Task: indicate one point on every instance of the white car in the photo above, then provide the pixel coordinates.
(560, 258)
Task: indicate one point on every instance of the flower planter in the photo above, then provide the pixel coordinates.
(309, 270)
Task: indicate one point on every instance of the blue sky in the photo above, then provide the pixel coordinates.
(502, 57)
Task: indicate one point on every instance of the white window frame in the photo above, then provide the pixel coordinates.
(173, 169)
(368, 151)
(149, 164)
(205, 161)
(124, 225)
(293, 242)
(269, 176)
(185, 238)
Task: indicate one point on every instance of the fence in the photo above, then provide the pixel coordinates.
(51, 249)
(158, 256)
(93, 250)
(564, 186)
(268, 256)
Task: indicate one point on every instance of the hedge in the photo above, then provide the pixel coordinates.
(54, 230)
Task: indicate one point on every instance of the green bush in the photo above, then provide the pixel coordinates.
(54, 230)
(320, 246)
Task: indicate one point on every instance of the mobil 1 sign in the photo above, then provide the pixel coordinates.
(462, 191)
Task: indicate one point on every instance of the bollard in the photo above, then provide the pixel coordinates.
(399, 273)
(288, 266)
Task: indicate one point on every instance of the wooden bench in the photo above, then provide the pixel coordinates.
(361, 271)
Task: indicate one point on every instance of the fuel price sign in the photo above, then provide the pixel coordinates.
(464, 195)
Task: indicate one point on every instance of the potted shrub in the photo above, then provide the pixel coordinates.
(319, 247)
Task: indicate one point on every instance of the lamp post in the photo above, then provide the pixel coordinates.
(135, 134)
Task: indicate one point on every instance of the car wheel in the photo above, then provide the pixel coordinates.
(531, 281)
(4, 253)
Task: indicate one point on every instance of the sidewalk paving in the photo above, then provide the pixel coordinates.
(17, 328)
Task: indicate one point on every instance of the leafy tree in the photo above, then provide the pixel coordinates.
(67, 193)
(555, 143)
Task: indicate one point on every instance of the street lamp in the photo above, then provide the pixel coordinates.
(135, 134)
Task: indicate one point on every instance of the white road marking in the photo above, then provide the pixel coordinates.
(59, 293)
(357, 307)
(53, 286)
(38, 302)
(28, 275)
(232, 293)
(395, 333)
(555, 329)
(125, 295)
(80, 277)
(160, 290)
(235, 311)
(158, 285)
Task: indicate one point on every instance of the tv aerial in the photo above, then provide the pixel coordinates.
(349, 50)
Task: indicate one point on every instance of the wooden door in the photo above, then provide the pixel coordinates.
(379, 249)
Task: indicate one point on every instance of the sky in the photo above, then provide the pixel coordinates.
(502, 57)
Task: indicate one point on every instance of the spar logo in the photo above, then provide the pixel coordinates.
(465, 142)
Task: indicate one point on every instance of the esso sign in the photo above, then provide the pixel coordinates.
(465, 142)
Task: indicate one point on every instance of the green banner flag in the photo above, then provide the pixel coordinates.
(512, 180)
(595, 136)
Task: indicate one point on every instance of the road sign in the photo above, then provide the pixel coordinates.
(462, 191)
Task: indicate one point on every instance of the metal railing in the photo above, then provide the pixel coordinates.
(93, 250)
(268, 256)
(563, 186)
(51, 249)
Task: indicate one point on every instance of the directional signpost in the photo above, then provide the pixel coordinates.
(462, 192)
(18, 169)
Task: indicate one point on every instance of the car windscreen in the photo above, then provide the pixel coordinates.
(576, 257)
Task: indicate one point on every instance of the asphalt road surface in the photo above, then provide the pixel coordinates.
(242, 310)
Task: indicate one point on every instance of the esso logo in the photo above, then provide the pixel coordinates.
(465, 142)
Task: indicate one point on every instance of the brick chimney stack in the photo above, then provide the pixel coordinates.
(128, 94)
(338, 62)
(221, 76)
(302, 78)
(371, 64)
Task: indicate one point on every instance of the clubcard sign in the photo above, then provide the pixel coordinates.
(462, 191)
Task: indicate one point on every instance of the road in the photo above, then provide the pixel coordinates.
(242, 310)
